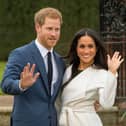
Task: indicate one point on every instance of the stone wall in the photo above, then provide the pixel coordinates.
(111, 117)
(5, 116)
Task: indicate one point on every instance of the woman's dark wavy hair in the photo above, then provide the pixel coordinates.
(100, 60)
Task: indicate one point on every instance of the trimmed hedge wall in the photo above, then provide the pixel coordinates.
(17, 23)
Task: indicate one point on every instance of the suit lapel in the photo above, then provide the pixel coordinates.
(59, 79)
(40, 64)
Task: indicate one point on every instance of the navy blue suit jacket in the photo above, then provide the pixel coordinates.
(34, 106)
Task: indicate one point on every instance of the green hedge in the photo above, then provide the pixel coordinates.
(17, 26)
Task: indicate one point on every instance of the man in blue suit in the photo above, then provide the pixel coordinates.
(26, 71)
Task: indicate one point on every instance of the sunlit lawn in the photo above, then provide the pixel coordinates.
(2, 66)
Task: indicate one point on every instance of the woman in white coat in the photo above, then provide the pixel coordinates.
(87, 79)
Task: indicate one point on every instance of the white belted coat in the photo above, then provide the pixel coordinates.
(78, 97)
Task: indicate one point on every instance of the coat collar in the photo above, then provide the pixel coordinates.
(41, 66)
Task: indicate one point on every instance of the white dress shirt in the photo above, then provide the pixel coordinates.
(43, 52)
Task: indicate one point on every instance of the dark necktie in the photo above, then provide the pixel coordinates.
(50, 70)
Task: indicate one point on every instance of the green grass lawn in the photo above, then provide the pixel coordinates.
(2, 66)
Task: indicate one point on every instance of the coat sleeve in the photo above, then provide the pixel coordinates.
(107, 94)
(11, 77)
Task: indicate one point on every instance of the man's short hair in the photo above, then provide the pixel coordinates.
(47, 12)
